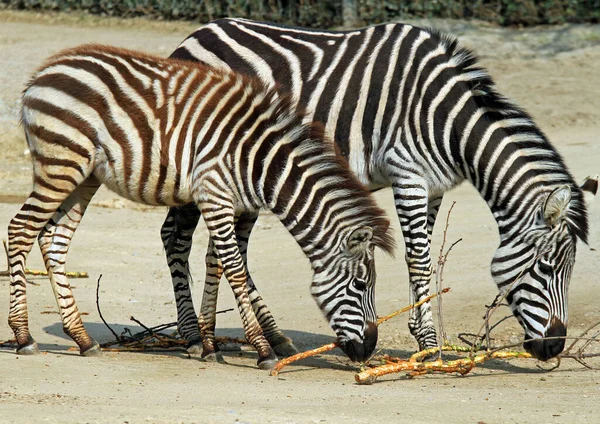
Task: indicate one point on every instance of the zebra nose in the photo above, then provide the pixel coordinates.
(546, 349)
(361, 351)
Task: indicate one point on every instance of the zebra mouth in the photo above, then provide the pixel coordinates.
(544, 349)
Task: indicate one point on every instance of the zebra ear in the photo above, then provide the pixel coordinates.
(589, 187)
(359, 239)
(556, 205)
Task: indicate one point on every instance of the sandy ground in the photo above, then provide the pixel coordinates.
(553, 72)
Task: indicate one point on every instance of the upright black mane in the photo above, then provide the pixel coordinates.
(487, 96)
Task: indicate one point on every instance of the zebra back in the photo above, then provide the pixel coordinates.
(156, 130)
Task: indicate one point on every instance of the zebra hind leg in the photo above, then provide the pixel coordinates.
(281, 344)
(54, 241)
(53, 183)
(220, 220)
(176, 234)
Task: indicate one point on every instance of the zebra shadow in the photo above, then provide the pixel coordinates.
(98, 331)
(334, 359)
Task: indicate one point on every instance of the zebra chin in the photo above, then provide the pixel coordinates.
(361, 351)
(549, 348)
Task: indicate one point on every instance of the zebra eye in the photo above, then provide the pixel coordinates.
(359, 285)
(545, 268)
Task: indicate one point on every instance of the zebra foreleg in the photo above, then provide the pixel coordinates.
(54, 241)
(208, 310)
(412, 206)
(176, 234)
(281, 344)
(219, 217)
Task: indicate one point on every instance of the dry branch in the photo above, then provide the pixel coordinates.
(461, 366)
(326, 348)
(150, 338)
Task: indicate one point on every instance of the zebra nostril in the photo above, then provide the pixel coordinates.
(556, 329)
(370, 339)
(359, 351)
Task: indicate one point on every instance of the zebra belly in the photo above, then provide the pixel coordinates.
(133, 184)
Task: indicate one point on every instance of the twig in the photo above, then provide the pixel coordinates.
(326, 348)
(414, 305)
(98, 307)
(302, 355)
(442, 258)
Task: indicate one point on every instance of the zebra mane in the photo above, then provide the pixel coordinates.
(487, 96)
(331, 159)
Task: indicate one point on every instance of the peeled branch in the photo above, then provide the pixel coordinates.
(461, 366)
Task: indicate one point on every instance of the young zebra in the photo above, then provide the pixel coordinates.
(412, 110)
(165, 132)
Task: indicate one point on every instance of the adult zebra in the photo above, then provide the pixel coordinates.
(412, 110)
(167, 132)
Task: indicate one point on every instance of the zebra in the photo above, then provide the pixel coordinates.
(168, 132)
(412, 110)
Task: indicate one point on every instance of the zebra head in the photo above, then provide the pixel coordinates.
(534, 269)
(345, 291)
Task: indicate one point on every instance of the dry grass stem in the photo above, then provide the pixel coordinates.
(439, 272)
(35, 272)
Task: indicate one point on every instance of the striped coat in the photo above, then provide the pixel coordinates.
(167, 132)
(414, 111)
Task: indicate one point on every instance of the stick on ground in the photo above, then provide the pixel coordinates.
(461, 366)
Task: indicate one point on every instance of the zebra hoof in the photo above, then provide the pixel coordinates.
(214, 357)
(267, 364)
(195, 349)
(94, 350)
(28, 349)
(285, 349)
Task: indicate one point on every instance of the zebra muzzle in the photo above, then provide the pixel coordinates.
(361, 351)
(544, 349)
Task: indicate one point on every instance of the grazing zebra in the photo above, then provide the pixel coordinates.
(412, 110)
(166, 132)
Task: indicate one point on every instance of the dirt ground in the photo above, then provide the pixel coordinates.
(553, 72)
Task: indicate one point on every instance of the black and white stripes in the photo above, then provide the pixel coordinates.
(412, 110)
(167, 132)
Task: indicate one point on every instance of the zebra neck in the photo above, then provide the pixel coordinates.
(317, 199)
(306, 207)
(514, 168)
